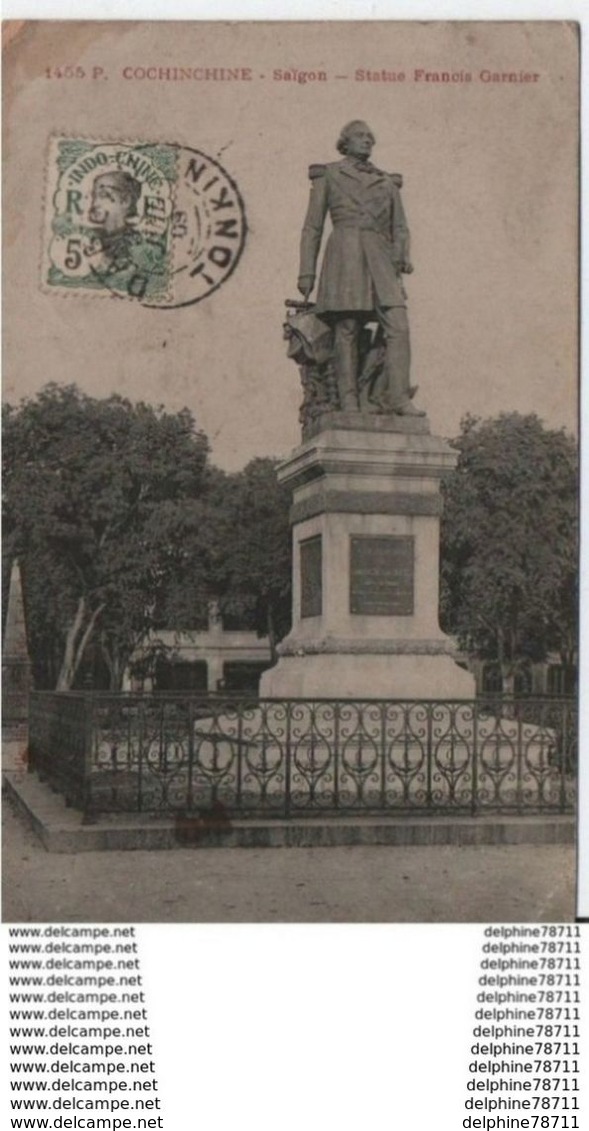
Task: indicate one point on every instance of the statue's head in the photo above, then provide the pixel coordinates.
(356, 139)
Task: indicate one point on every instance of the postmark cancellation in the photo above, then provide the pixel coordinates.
(157, 223)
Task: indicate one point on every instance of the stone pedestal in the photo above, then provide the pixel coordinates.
(366, 517)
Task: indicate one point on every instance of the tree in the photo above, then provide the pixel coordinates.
(100, 497)
(238, 556)
(509, 543)
(250, 548)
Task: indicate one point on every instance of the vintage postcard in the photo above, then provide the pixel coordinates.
(290, 375)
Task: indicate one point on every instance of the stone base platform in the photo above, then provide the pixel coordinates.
(63, 830)
(327, 674)
(367, 422)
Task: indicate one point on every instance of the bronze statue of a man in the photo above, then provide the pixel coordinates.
(366, 254)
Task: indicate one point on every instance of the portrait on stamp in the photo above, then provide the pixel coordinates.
(156, 223)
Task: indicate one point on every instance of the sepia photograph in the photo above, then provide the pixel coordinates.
(290, 459)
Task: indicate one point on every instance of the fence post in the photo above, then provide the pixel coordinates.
(87, 762)
(564, 756)
(141, 727)
(336, 758)
(287, 757)
(429, 753)
(189, 795)
(239, 750)
(475, 760)
(382, 757)
(520, 758)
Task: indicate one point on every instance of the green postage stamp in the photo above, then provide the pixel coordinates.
(161, 224)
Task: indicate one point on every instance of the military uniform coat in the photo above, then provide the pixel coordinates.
(369, 243)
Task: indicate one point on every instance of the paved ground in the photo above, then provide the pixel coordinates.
(514, 883)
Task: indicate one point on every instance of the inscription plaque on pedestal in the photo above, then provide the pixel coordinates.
(311, 581)
(382, 575)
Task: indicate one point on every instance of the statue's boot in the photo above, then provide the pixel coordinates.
(397, 397)
(408, 409)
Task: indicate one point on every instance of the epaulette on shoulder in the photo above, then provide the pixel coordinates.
(397, 179)
(316, 171)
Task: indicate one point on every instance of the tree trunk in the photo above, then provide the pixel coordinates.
(68, 665)
(75, 644)
(116, 656)
(116, 671)
(507, 680)
(507, 670)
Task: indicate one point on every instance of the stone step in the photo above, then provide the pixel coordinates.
(64, 830)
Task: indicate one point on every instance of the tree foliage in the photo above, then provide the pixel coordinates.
(239, 555)
(249, 547)
(510, 542)
(98, 496)
(122, 526)
(261, 558)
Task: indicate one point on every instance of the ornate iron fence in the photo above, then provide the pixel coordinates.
(186, 754)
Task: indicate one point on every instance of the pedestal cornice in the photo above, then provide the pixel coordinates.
(332, 645)
(365, 502)
(362, 452)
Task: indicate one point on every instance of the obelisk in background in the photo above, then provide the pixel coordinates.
(16, 677)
